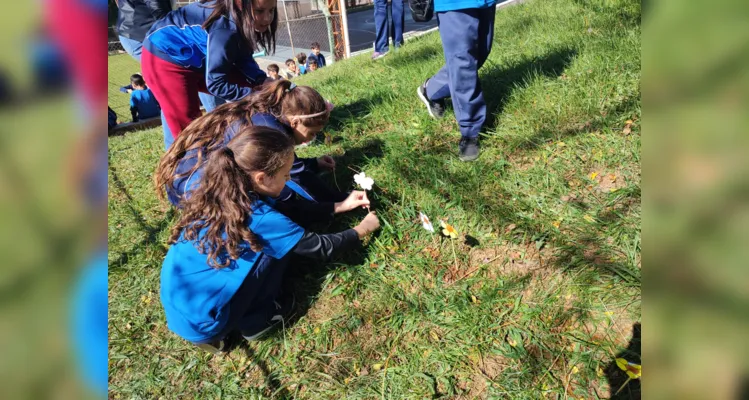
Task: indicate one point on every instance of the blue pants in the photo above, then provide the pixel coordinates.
(252, 305)
(382, 27)
(467, 41)
(210, 102)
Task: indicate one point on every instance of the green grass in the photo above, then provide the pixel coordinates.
(536, 298)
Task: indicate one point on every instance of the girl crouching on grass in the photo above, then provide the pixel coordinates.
(230, 247)
(299, 111)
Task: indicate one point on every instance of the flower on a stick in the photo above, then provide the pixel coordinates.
(448, 230)
(363, 181)
(425, 222)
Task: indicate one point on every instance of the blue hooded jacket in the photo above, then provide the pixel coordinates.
(453, 5)
(179, 38)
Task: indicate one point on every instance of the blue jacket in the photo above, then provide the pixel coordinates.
(180, 39)
(452, 5)
(320, 60)
(187, 163)
(144, 103)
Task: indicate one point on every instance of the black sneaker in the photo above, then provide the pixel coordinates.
(217, 347)
(435, 108)
(421, 10)
(469, 148)
(283, 310)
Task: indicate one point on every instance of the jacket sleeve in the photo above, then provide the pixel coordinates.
(251, 70)
(310, 164)
(324, 247)
(305, 212)
(223, 49)
(159, 8)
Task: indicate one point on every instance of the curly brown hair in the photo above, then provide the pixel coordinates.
(216, 216)
(207, 133)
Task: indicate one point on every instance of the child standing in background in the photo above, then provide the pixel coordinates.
(316, 55)
(230, 247)
(273, 72)
(302, 59)
(143, 104)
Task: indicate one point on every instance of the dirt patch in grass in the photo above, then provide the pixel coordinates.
(607, 182)
(485, 370)
(325, 309)
(511, 259)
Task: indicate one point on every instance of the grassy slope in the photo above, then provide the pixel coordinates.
(500, 318)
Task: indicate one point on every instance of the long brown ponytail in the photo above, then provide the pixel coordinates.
(207, 133)
(242, 17)
(222, 204)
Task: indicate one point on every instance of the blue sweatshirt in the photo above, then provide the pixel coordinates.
(144, 104)
(320, 60)
(453, 5)
(180, 39)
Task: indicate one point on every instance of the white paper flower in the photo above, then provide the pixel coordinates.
(364, 181)
(425, 222)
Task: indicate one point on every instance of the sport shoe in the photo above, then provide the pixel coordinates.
(435, 108)
(469, 148)
(282, 312)
(377, 55)
(217, 347)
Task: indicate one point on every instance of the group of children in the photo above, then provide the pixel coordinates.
(143, 104)
(246, 203)
(307, 64)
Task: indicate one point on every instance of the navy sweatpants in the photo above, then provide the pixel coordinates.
(466, 40)
(252, 305)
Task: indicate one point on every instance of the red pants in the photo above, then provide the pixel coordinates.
(77, 31)
(176, 89)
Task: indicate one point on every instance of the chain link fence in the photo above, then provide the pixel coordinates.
(300, 23)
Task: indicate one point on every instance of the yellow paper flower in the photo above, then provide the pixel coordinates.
(448, 230)
(634, 371)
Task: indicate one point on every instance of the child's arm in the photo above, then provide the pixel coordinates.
(223, 53)
(310, 164)
(304, 212)
(126, 89)
(324, 247)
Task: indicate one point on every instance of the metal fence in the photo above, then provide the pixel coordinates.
(301, 23)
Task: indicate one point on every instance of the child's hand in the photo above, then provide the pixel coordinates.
(326, 162)
(369, 224)
(356, 199)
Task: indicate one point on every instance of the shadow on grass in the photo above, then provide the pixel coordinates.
(415, 57)
(150, 231)
(616, 377)
(499, 83)
(344, 114)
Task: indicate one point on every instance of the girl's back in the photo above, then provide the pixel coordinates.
(180, 38)
(194, 293)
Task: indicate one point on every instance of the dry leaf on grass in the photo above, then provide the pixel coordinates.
(627, 127)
